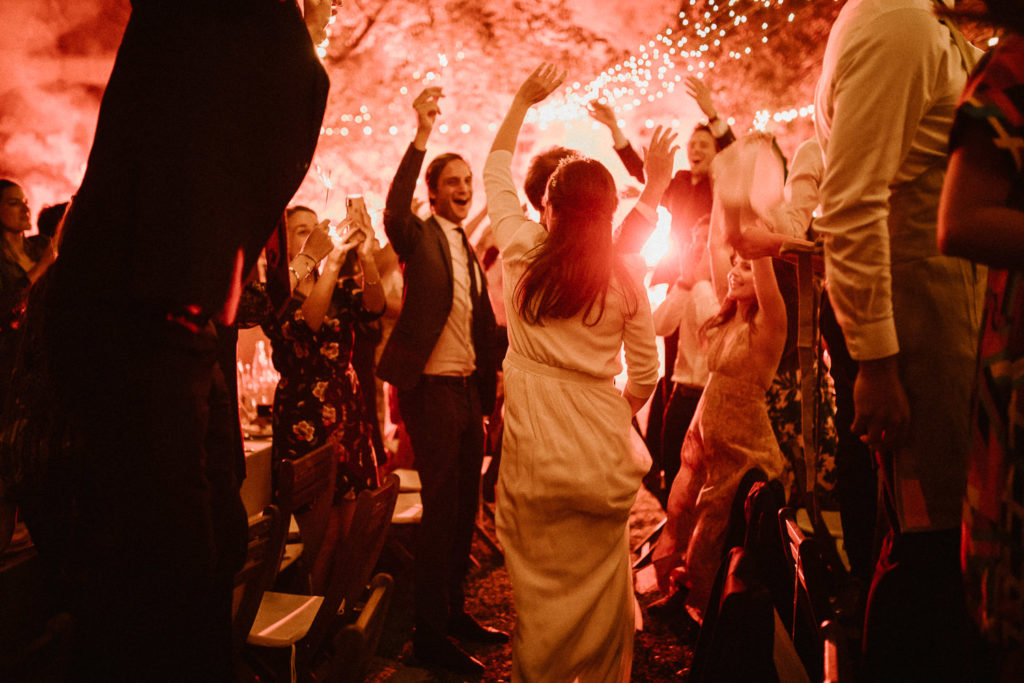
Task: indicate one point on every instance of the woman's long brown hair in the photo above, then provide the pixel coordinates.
(571, 271)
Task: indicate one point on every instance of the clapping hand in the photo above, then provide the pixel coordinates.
(544, 80)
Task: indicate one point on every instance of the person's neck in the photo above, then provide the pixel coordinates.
(743, 307)
(14, 240)
(696, 178)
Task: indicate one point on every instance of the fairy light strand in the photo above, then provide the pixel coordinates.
(655, 70)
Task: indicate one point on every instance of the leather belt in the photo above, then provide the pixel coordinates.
(448, 380)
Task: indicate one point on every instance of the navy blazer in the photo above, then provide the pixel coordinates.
(422, 249)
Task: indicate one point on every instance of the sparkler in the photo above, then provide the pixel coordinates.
(325, 178)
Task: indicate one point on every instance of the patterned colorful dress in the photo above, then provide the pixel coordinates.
(318, 396)
(784, 405)
(993, 540)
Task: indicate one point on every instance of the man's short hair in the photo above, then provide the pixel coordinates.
(720, 143)
(434, 169)
(541, 168)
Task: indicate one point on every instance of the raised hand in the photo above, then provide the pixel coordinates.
(602, 113)
(343, 241)
(544, 80)
(698, 90)
(538, 85)
(427, 110)
(659, 157)
(318, 242)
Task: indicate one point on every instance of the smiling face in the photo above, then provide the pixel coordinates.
(300, 224)
(14, 212)
(700, 150)
(741, 280)
(454, 192)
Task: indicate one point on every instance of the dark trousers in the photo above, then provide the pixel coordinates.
(157, 529)
(682, 404)
(445, 425)
(856, 482)
(917, 626)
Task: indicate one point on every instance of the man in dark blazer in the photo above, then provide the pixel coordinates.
(440, 357)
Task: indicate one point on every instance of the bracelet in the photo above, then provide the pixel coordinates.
(367, 283)
(295, 273)
(312, 260)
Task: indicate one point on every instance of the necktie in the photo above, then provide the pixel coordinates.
(474, 288)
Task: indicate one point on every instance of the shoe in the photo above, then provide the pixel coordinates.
(441, 652)
(465, 627)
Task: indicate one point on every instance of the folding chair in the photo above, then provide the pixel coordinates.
(294, 634)
(815, 629)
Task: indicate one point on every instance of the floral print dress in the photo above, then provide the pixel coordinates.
(318, 398)
(993, 520)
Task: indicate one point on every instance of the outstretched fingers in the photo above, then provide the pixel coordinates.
(659, 155)
(663, 141)
(601, 112)
(544, 80)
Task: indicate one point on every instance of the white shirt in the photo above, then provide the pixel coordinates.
(793, 216)
(891, 78)
(453, 353)
(687, 310)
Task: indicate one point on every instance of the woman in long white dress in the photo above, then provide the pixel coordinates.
(568, 475)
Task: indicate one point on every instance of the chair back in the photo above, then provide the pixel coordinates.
(354, 559)
(262, 557)
(356, 643)
(814, 624)
(304, 487)
(740, 611)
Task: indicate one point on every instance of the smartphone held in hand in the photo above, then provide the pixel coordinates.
(355, 207)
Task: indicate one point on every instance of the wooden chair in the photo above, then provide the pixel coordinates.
(815, 629)
(407, 515)
(295, 633)
(355, 559)
(356, 643)
(305, 488)
(263, 554)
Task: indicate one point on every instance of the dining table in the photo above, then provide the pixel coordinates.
(257, 487)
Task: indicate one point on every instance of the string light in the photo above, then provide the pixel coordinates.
(641, 78)
(764, 118)
(654, 71)
(687, 54)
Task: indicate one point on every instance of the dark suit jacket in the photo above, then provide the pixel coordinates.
(426, 261)
(685, 200)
